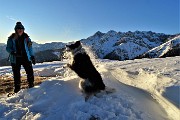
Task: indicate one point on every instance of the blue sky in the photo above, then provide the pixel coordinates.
(68, 20)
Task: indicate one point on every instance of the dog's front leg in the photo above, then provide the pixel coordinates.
(70, 66)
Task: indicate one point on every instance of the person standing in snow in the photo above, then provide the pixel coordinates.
(19, 46)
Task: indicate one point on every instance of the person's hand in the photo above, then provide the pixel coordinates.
(33, 60)
(13, 53)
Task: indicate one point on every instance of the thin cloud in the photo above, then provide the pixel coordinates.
(11, 18)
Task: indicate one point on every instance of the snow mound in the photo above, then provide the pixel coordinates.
(60, 97)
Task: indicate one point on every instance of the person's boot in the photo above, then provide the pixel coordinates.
(30, 80)
(17, 88)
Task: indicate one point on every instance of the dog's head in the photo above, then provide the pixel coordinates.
(73, 47)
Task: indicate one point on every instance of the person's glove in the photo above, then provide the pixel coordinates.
(33, 60)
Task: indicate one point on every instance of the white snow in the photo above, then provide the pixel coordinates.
(142, 92)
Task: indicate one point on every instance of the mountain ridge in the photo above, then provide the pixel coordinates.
(111, 45)
(124, 45)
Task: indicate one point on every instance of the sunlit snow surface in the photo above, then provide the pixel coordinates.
(146, 89)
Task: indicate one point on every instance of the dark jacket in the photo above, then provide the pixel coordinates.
(24, 48)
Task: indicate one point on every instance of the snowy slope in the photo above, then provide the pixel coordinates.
(60, 98)
(2, 44)
(43, 52)
(162, 50)
(48, 46)
(3, 53)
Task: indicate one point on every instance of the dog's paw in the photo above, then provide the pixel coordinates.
(68, 65)
(88, 96)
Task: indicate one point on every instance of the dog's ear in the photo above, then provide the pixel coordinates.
(78, 43)
(67, 45)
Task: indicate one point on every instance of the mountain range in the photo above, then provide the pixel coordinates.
(43, 52)
(130, 45)
(112, 45)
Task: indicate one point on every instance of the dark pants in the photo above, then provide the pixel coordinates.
(17, 76)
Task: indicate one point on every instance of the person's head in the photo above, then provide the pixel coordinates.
(19, 28)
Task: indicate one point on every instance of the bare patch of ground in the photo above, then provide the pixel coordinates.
(7, 83)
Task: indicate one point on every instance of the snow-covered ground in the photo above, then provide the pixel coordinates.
(146, 89)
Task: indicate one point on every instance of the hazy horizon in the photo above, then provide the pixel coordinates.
(50, 41)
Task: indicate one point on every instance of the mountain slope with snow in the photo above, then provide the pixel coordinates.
(3, 53)
(36, 47)
(164, 50)
(48, 46)
(60, 97)
(43, 52)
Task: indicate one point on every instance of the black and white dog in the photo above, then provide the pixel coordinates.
(91, 79)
